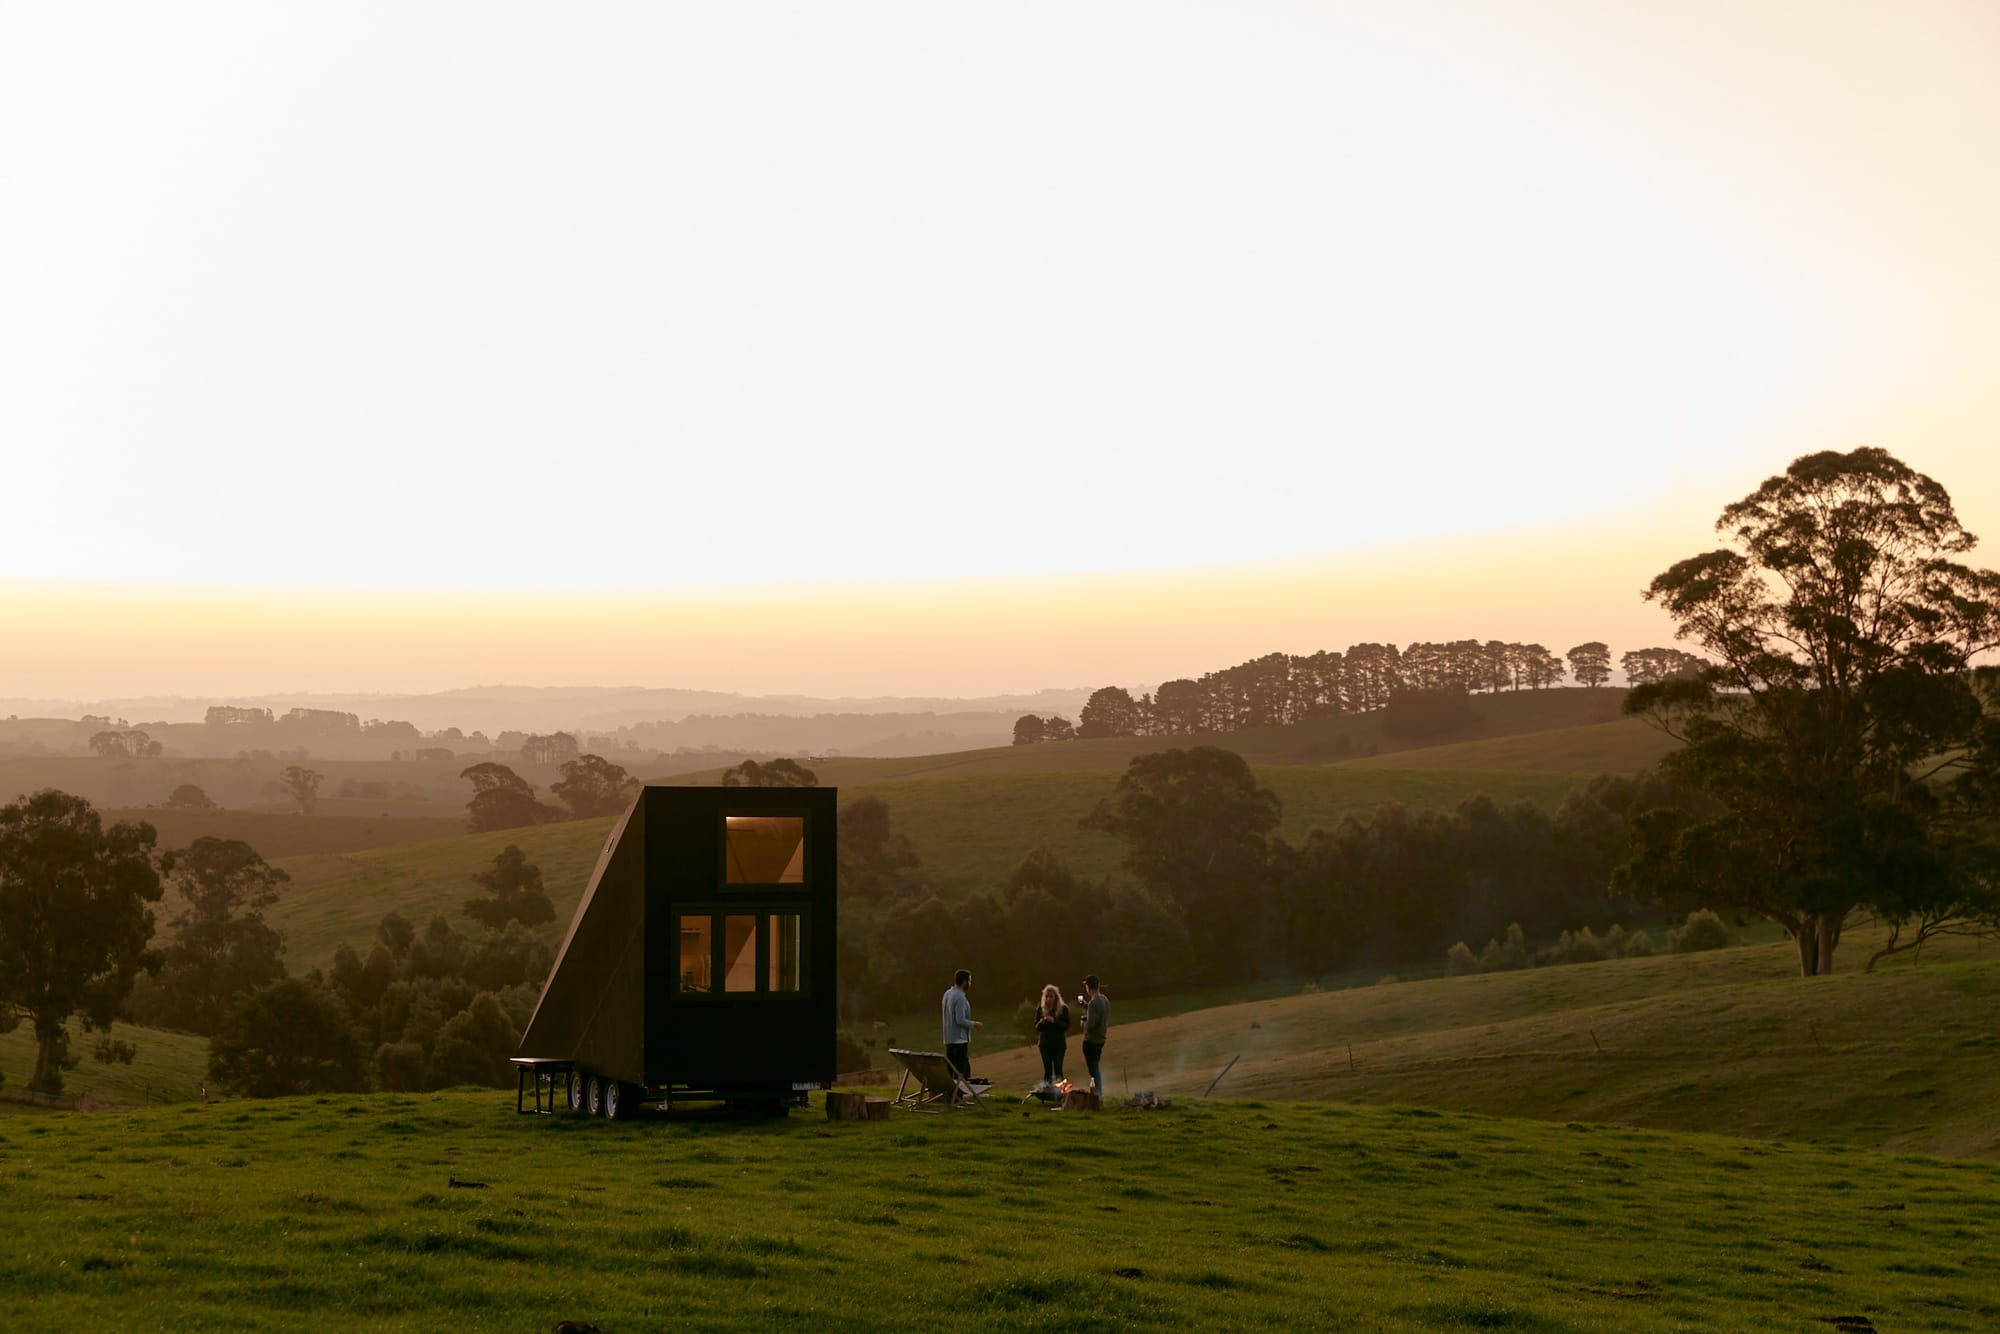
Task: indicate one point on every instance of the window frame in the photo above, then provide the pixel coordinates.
(765, 912)
(727, 886)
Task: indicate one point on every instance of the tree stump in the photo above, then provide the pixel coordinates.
(1081, 1100)
(855, 1107)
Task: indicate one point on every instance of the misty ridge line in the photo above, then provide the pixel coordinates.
(1272, 690)
(1427, 665)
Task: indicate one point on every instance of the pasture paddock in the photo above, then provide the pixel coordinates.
(450, 1211)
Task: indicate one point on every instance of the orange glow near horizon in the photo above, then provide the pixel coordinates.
(956, 638)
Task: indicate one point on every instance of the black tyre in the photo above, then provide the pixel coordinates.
(576, 1093)
(617, 1100)
(596, 1096)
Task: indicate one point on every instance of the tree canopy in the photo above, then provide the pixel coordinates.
(1196, 828)
(221, 946)
(74, 920)
(592, 785)
(514, 892)
(502, 799)
(781, 772)
(1841, 629)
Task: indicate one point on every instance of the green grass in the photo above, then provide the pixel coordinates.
(1731, 1040)
(335, 899)
(242, 784)
(305, 1214)
(1622, 746)
(278, 834)
(166, 1067)
(970, 831)
(1320, 742)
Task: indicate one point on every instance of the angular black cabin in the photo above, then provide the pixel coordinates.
(701, 960)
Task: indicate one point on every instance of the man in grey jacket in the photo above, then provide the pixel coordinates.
(959, 1023)
(1096, 1023)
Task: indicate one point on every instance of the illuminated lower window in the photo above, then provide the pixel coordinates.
(739, 953)
(783, 953)
(696, 957)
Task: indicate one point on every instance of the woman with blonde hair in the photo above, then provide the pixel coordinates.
(1052, 1032)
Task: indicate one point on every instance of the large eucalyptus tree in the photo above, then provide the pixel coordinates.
(1842, 628)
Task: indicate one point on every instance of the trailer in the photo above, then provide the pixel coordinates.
(700, 964)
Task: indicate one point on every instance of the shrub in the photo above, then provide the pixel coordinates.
(1580, 946)
(1702, 931)
(1460, 960)
(400, 1067)
(1499, 958)
(290, 1037)
(474, 1045)
(1638, 945)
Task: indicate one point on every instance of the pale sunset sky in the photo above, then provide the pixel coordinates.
(948, 349)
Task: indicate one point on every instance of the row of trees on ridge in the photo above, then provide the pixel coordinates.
(1281, 688)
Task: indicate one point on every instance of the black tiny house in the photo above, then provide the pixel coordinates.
(700, 963)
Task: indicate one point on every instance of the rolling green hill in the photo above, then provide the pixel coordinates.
(1623, 745)
(166, 1067)
(1323, 741)
(970, 831)
(1732, 1041)
(278, 834)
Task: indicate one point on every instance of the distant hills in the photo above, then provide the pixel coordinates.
(477, 719)
(498, 708)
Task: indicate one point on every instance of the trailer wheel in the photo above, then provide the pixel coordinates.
(576, 1090)
(596, 1096)
(616, 1104)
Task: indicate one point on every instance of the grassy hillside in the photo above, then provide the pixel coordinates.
(339, 898)
(449, 1210)
(167, 1067)
(1622, 746)
(1731, 1041)
(970, 831)
(288, 834)
(1320, 742)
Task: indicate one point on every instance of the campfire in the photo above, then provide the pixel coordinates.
(1065, 1096)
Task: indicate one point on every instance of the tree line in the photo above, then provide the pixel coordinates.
(80, 940)
(1215, 897)
(1281, 688)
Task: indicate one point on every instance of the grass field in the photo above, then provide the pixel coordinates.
(1319, 742)
(1732, 1040)
(166, 1067)
(971, 833)
(1622, 746)
(278, 834)
(305, 1214)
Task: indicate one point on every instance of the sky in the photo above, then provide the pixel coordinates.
(906, 348)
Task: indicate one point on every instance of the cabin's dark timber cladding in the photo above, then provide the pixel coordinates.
(611, 1004)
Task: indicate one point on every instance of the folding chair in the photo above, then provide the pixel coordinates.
(939, 1085)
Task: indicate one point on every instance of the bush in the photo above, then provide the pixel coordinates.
(1580, 946)
(290, 1037)
(1499, 958)
(1638, 945)
(400, 1067)
(474, 1045)
(1702, 931)
(1460, 960)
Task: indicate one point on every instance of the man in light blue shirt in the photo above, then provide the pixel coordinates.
(959, 1023)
